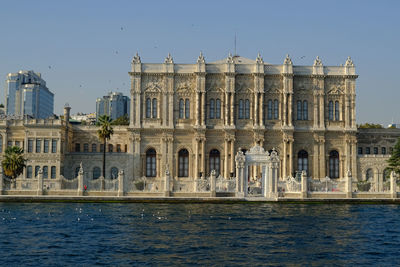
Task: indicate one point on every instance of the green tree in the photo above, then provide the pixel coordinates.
(123, 120)
(104, 134)
(370, 126)
(1, 105)
(394, 160)
(14, 162)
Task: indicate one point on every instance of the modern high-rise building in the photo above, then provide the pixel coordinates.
(114, 104)
(27, 94)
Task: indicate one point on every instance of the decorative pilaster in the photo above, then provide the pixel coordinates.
(287, 72)
(135, 104)
(169, 86)
(232, 109)
(200, 90)
(229, 91)
(226, 160)
(318, 89)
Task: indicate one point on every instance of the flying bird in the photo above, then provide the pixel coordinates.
(302, 57)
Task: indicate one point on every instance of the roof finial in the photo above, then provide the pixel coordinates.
(259, 59)
(317, 62)
(349, 62)
(201, 59)
(169, 59)
(136, 58)
(288, 60)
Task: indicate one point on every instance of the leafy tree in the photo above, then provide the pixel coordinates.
(1, 105)
(370, 126)
(394, 160)
(104, 134)
(123, 120)
(14, 162)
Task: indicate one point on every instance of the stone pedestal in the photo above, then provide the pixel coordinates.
(349, 180)
(39, 191)
(393, 185)
(121, 178)
(213, 183)
(80, 181)
(304, 188)
(167, 191)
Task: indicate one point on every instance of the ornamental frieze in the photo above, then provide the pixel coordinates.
(274, 85)
(244, 83)
(153, 83)
(215, 83)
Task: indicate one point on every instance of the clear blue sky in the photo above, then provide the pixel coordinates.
(89, 55)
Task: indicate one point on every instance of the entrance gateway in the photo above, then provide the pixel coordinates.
(269, 163)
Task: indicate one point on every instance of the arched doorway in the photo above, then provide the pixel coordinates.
(334, 164)
(215, 161)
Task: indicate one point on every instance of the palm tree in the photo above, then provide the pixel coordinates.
(14, 162)
(104, 133)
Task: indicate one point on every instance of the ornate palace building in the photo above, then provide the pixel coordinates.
(190, 119)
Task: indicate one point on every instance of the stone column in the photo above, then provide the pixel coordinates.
(171, 109)
(291, 157)
(121, 178)
(39, 191)
(393, 185)
(315, 158)
(232, 156)
(196, 159)
(226, 109)
(197, 108)
(226, 151)
(262, 109)
(1, 181)
(349, 193)
(167, 190)
(203, 157)
(322, 158)
(354, 158)
(284, 154)
(203, 108)
(256, 109)
(321, 111)
(290, 109)
(304, 188)
(232, 110)
(138, 109)
(315, 104)
(80, 181)
(164, 109)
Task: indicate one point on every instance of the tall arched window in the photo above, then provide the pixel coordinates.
(28, 172)
(299, 110)
(181, 108)
(53, 172)
(212, 108)
(305, 110)
(154, 108)
(114, 173)
(96, 173)
(110, 148)
(183, 162)
(302, 160)
(330, 110)
(151, 169)
(37, 168)
(187, 108)
(45, 172)
(247, 109)
(334, 164)
(148, 108)
(336, 110)
(241, 108)
(1, 144)
(218, 108)
(369, 175)
(269, 109)
(215, 161)
(276, 109)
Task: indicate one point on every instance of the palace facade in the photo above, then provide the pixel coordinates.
(190, 119)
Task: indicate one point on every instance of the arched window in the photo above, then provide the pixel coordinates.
(305, 110)
(110, 148)
(269, 109)
(76, 171)
(183, 162)
(53, 173)
(151, 169)
(330, 110)
(369, 175)
(45, 172)
(241, 108)
(247, 109)
(37, 168)
(386, 175)
(154, 108)
(302, 160)
(1, 144)
(94, 148)
(276, 109)
(334, 164)
(299, 110)
(187, 108)
(181, 108)
(336, 110)
(96, 173)
(148, 108)
(114, 173)
(28, 172)
(218, 108)
(212, 108)
(215, 161)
